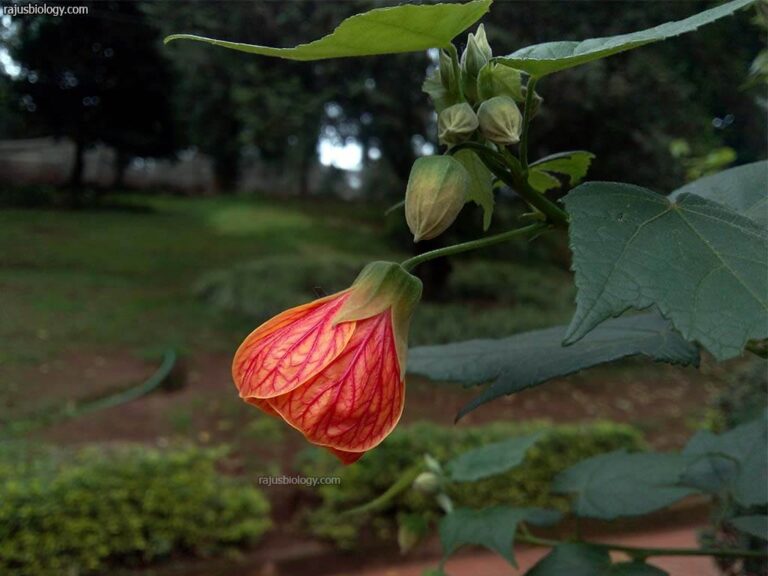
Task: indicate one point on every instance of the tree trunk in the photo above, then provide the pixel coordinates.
(75, 184)
(120, 165)
(305, 165)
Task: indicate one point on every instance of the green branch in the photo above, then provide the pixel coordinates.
(402, 484)
(411, 263)
(509, 170)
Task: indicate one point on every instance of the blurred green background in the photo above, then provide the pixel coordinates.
(172, 198)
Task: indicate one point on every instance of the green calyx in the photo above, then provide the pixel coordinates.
(456, 124)
(381, 286)
(500, 120)
(436, 193)
(448, 72)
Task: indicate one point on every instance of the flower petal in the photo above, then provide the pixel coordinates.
(262, 405)
(286, 351)
(354, 403)
(346, 457)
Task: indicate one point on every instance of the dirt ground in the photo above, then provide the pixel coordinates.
(485, 564)
(663, 401)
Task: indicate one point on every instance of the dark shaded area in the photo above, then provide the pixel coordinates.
(106, 78)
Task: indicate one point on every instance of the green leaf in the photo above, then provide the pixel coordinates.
(573, 560)
(703, 265)
(636, 569)
(494, 528)
(737, 461)
(618, 484)
(525, 360)
(586, 560)
(406, 28)
(742, 189)
(753, 525)
(549, 57)
(542, 181)
(441, 98)
(572, 164)
(497, 80)
(491, 459)
(480, 183)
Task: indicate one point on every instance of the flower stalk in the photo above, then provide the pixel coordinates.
(411, 263)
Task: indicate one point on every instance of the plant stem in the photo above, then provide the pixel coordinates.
(508, 170)
(639, 552)
(471, 245)
(758, 348)
(403, 483)
(529, 95)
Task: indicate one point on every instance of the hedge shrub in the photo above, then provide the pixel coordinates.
(74, 514)
(528, 485)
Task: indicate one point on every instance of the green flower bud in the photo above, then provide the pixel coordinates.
(499, 80)
(447, 72)
(407, 538)
(456, 123)
(436, 193)
(500, 120)
(477, 53)
(426, 483)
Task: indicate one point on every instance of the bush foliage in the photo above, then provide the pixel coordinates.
(527, 485)
(79, 513)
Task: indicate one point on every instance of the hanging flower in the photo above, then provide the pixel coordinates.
(334, 368)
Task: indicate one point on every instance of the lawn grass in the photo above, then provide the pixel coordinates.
(125, 278)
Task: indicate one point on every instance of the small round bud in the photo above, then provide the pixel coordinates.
(426, 483)
(456, 123)
(407, 537)
(500, 120)
(436, 193)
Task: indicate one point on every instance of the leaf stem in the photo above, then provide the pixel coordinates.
(758, 348)
(639, 552)
(530, 91)
(472, 245)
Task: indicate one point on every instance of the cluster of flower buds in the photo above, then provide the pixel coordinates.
(481, 95)
(477, 101)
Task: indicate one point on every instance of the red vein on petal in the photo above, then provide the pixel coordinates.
(357, 399)
(291, 348)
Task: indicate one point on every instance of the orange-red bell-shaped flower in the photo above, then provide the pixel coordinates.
(334, 368)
